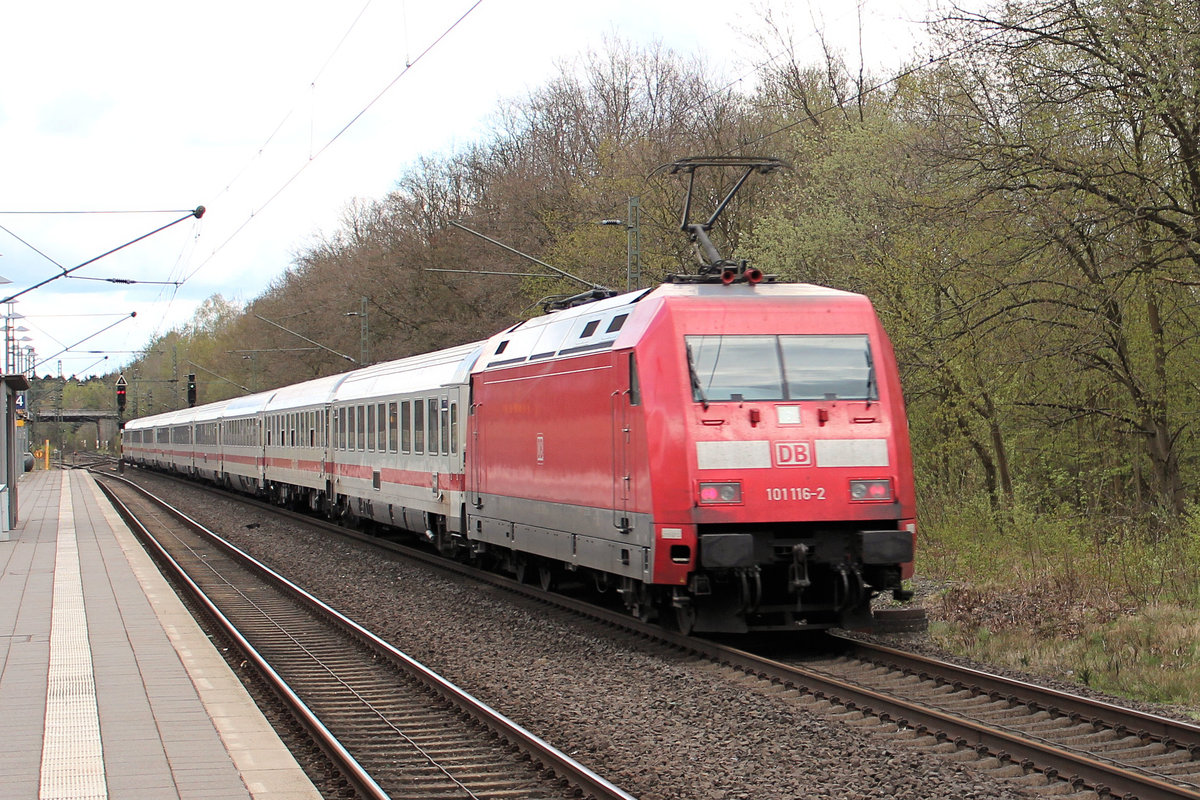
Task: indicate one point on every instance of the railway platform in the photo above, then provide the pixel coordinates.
(108, 688)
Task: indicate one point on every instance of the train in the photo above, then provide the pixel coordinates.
(726, 456)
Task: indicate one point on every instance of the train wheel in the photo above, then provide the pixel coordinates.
(685, 612)
(685, 619)
(545, 576)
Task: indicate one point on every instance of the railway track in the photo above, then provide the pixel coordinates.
(1100, 745)
(1051, 741)
(392, 727)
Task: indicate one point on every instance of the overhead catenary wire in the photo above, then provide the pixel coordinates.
(197, 213)
(336, 136)
(313, 155)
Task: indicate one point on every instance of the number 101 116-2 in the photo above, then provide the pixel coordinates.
(796, 493)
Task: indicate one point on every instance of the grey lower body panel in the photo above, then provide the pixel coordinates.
(581, 536)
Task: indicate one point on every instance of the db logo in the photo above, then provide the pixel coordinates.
(793, 454)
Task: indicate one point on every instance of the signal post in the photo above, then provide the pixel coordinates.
(122, 385)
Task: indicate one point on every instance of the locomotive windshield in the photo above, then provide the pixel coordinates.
(789, 367)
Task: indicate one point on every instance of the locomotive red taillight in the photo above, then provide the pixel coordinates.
(871, 490)
(713, 493)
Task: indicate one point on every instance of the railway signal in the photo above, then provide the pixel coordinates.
(121, 384)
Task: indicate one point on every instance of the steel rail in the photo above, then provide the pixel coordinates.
(1139, 723)
(577, 774)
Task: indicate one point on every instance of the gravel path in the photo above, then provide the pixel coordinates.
(659, 724)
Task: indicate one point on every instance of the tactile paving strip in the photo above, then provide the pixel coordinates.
(72, 761)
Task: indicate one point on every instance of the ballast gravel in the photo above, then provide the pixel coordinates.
(659, 724)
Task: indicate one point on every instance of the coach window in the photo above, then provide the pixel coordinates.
(381, 427)
(405, 427)
(393, 421)
(445, 429)
(341, 427)
(433, 426)
(351, 422)
(418, 426)
(370, 443)
(362, 428)
(312, 429)
(454, 427)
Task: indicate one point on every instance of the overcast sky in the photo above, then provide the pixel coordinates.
(237, 105)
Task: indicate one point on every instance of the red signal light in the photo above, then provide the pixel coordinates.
(711, 493)
(867, 491)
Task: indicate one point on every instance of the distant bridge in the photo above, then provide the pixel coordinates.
(74, 415)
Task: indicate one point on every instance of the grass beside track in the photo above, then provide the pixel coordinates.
(1115, 608)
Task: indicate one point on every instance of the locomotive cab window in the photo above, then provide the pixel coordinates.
(635, 389)
(786, 367)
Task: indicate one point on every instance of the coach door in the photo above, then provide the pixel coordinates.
(475, 451)
(622, 402)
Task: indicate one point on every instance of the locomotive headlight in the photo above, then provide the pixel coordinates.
(871, 490)
(729, 492)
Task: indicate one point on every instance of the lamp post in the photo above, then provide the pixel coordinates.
(633, 242)
(363, 331)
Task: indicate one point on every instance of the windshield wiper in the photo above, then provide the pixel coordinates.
(696, 387)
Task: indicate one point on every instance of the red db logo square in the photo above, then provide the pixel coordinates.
(793, 454)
